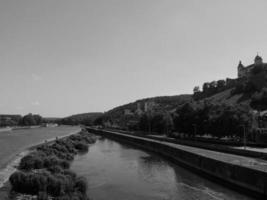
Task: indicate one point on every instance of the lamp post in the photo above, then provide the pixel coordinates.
(149, 118)
(195, 130)
(244, 136)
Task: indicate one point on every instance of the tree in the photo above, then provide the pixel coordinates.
(196, 89)
(28, 120)
(144, 123)
(221, 83)
(184, 119)
(98, 121)
(38, 119)
(205, 87)
(168, 123)
(259, 100)
(216, 120)
(31, 120)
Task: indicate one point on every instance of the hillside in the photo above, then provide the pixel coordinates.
(128, 114)
(225, 97)
(83, 118)
(167, 103)
(222, 93)
(239, 95)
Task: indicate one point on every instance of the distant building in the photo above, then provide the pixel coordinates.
(139, 110)
(245, 72)
(128, 112)
(144, 107)
(149, 106)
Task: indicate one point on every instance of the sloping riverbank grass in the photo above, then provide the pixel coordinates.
(45, 171)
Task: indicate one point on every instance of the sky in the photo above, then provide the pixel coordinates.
(62, 57)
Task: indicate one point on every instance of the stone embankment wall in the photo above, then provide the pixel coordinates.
(247, 180)
(220, 147)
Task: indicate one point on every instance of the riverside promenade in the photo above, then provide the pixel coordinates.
(244, 173)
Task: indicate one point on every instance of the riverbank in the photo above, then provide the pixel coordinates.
(245, 174)
(16, 144)
(17, 128)
(44, 171)
(11, 167)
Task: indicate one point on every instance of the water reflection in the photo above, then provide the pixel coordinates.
(115, 171)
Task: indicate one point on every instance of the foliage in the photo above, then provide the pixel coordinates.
(156, 123)
(45, 171)
(211, 88)
(216, 120)
(116, 117)
(86, 119)
(31, 120)
(259, 100)
(15, 120)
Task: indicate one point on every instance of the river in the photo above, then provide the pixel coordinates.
(116, 171)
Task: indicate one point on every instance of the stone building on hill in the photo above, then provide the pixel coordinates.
(245, 72)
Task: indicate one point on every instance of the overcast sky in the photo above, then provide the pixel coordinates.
(61, 57)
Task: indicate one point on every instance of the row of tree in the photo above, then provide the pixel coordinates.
(157, 123)
(192, 118)
(211, 88)
(216, 120)
(17, 120)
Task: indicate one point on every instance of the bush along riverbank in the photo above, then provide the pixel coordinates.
(44, 173)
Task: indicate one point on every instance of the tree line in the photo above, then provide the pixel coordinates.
(206, 119)
(192, 118)
(18, 120)
(213, 87)
(215, 120)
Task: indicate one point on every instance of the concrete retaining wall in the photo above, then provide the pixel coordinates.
(250, 181)
(208, 145)
(220, 148)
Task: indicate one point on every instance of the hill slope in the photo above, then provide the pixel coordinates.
(225, 97)
(83, 118)
(167, 103)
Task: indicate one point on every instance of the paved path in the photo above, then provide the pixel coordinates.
(253, 163)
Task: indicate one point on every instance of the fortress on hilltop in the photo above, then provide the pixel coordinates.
(245, 72)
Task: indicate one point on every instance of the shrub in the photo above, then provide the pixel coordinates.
(16, 180)
(81, 185)
(45, 171)
(31, 161)
(81, 146)
(30, 183)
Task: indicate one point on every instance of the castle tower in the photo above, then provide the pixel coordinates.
(258, 60)
(240, 65)
(240, 69)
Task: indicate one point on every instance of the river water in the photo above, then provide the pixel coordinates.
(116, 171)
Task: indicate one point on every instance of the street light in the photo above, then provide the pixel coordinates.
(195, 130)
(244, 136)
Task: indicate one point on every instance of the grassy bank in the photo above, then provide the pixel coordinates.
(45, 174)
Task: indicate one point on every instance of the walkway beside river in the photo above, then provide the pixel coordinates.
(254, 163)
